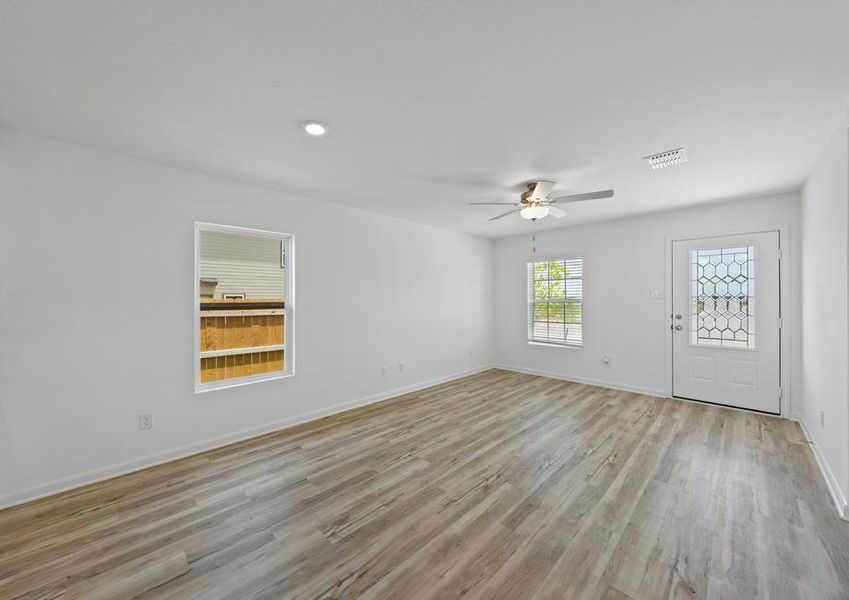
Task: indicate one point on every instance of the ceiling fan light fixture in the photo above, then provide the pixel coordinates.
(534, 212)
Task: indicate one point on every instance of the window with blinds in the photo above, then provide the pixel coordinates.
(555, 301)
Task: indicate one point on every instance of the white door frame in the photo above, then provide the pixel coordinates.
(785, 302)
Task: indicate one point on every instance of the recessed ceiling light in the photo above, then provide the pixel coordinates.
(315, 128)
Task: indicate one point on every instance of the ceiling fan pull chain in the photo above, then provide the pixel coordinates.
(534, 236)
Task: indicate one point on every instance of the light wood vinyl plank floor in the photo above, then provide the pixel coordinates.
(499, 485)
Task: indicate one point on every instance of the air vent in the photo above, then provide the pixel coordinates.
(667, 159)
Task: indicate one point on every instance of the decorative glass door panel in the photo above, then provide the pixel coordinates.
(722, 300)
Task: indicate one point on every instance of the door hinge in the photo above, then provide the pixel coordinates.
(780, 392)
(779, 254)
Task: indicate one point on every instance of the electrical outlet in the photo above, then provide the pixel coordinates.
(655, 294)
(145, 422)
(822, 419)
(401, 367)
(384, 371)
(605, 360)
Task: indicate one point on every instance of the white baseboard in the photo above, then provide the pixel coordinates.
(102, 474)
(606, 384)
(837, 495)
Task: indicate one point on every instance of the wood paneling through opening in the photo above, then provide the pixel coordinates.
(235, 324)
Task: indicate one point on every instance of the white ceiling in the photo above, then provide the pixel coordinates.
(432, 104)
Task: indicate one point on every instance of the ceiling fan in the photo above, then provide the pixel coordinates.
(535, 203)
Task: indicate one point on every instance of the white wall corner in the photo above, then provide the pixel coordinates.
(837, 495)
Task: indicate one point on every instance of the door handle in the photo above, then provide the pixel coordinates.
(679, 327)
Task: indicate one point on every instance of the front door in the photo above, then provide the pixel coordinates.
(726, 327)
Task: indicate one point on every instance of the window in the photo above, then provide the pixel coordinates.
(555, 301)
(243, 306)
(722, 303)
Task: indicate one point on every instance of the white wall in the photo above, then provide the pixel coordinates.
(623, 261)
(85, 348)
(825, 315)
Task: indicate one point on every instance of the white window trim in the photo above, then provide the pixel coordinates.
(289, 340)
(548, 344)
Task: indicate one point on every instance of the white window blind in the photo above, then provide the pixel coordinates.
(555, 301)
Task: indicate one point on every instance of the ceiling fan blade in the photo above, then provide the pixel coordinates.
(556, 212)
(582, 197)
(542, 189)
(493, 203)
(509, 212)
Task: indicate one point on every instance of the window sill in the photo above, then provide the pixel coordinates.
(202, 388)
(547, 345)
